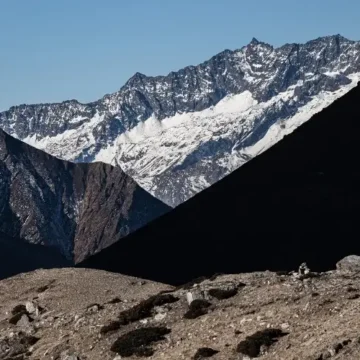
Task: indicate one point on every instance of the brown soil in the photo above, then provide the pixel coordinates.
(313, 317)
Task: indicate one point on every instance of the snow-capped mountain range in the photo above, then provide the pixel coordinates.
(180, 133)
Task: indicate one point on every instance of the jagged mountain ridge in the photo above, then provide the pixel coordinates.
(76, 208)
(178, 134)
(296, 202)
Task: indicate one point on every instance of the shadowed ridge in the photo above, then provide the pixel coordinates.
(79, 209)
(17, 257)
(298, 201)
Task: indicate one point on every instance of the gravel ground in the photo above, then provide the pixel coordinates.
(78, 314)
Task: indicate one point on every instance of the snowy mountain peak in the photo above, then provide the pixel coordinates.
(179, 133)
(254, 41)
(135, 81)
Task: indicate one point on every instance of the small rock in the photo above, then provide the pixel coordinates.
(31, 308)
(189, 298)
(24, 321)
(71, 357)
(160, 316)
(94, 308)
(304, 269)
(68, 355)
(326, 355)
(332, 352)
(350, 263)
(194, 294)
(79, 323)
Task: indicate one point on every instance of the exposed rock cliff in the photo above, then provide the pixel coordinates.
(76, 208)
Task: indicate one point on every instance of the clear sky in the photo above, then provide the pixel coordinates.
(53, 50)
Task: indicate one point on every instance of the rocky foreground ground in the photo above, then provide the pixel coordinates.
(78, 314)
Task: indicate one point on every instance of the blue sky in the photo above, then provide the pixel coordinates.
(53, 50)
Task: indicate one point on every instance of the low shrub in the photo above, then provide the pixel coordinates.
(110, 327)
(19, 309)
(197, 308)
(222, 294)
(204, 353)
(115, 300)
(138, 342)
(251, 346)
(144, 308)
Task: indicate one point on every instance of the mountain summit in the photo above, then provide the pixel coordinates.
(178, 134)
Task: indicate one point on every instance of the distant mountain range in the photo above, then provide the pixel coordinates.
(77, 209)
(299, 201)
(176, 135)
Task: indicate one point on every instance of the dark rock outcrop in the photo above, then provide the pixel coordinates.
(76, 208)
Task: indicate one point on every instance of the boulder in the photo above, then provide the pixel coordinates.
(24, 321)
(32, 308)
(350, 263)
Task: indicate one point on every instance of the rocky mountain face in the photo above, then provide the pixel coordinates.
(83, 314)
(282, 208)
(76, 208)
(178, 134)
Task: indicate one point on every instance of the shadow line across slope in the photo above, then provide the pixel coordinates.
(299, 201)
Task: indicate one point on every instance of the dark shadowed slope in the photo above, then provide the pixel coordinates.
(299, 201)
(77, 208)
(17, 257)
